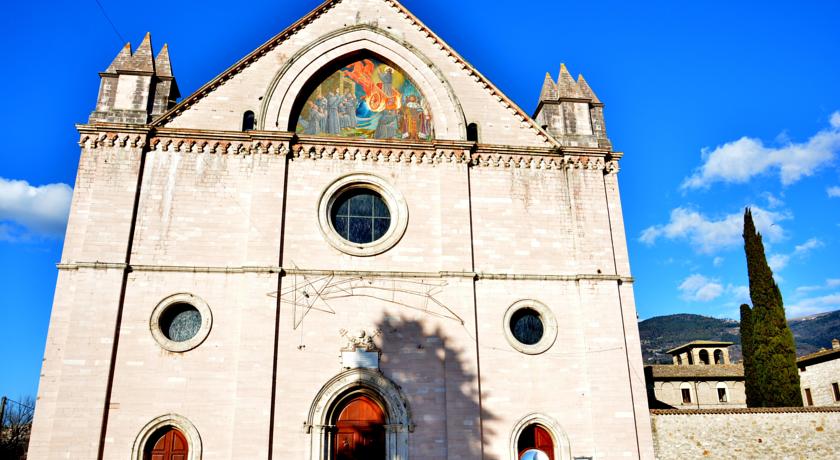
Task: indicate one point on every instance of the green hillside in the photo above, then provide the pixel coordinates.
(661, 333)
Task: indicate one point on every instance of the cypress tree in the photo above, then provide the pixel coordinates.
(772, 351)
(746, 351)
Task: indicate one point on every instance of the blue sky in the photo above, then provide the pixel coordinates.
(717, 106)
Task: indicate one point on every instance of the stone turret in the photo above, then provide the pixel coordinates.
(571, 112)
(136, 87)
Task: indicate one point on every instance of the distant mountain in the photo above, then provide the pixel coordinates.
(661, 333)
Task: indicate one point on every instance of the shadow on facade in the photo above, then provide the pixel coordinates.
(440, 381)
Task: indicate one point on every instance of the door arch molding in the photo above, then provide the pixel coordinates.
(355, 382)
(562, 447)
(168, 420)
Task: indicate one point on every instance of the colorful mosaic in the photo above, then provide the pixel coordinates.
(367, 99)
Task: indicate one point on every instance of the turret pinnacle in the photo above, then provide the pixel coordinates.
(163, 68)
(549, 89)
(122, 57)
(566, 85)
(586, 90)
(136, 87)
(141, 59)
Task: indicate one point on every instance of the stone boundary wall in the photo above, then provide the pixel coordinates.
(784, 433)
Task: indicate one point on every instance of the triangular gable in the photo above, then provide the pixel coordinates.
(536, 137)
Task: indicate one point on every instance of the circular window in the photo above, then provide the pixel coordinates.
(362, 214)
(180, 322)
(526, 326)
(530, 326)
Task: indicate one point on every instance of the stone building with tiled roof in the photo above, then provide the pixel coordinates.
(819, 376)
(700, 378)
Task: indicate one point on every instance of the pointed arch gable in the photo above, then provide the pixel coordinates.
(293, 79)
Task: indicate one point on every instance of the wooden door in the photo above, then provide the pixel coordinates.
(167, 444)
(536, 437)
(360, 431)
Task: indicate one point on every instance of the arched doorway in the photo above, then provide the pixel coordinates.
(535, 443)
(359, 430)
(168, 443)
(328, 407)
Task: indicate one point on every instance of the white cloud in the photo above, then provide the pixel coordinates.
(42, 210)
(829, 284)
(808, 246)
(778, 261)
(833, 192)
(709, 235)
(814, 305)
(739, 161)
(699, 288)
(740, 294)
(773, 201)
(717, 262)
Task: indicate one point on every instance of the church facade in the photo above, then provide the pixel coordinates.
(348, 245)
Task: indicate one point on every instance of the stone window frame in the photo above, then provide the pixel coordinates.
(181, 298)
(549, 322)
(397, 206)
(691, 396)
(562, 445)
(725, 387)
(173, 420)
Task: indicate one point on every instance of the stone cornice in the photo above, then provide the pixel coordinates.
(334, 148)
(286, 271)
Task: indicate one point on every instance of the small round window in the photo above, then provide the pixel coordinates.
(526, 326)
(530, 326)
(180, 322)
(360, 215)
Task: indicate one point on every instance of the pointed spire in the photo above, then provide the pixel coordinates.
(163, 67)
(141, 59)
(122, 57)
(566, 85)
(549, 89)
(586, 90)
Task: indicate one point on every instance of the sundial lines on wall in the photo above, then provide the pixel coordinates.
(309, 293)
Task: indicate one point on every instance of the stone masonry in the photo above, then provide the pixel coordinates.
(176, 200)
(747, 433)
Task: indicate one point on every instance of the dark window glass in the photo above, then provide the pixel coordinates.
(718, 357)
(472, 132)
(180, 322)
(686, 395)
(361, 216)
(722, 394)
(248, 121)
(836, 389)
(808, 399)
(526, 325)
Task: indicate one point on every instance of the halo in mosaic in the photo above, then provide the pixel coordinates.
(367, 99)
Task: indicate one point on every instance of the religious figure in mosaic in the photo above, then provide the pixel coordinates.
(367, 99)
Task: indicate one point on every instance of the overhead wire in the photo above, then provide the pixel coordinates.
(107, 18)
